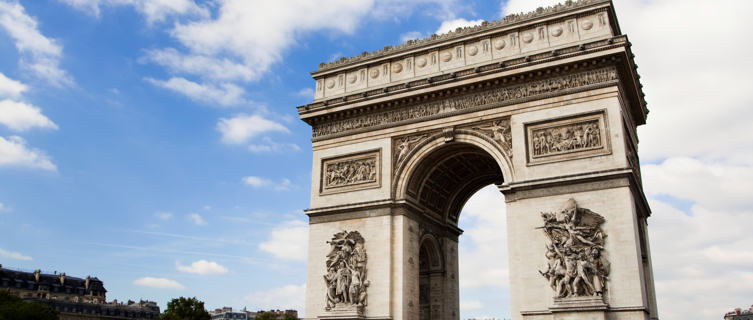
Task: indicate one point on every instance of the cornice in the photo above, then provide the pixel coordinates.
(509, 21)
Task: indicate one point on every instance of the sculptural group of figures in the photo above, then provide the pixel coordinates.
(346, 272)
(567, 138)
(351, 172)
(575, 241)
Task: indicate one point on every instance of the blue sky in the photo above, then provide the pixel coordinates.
(155, 144)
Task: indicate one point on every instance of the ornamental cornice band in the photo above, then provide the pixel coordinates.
(466, 103)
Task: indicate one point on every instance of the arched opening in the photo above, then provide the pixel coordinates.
(440, 184)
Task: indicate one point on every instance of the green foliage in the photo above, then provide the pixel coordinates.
(184, 309)
(13, 308)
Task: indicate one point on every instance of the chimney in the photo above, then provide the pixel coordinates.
(62, 278)
(36, 275)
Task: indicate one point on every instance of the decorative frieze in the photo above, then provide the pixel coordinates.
(351, 172)
(573, 137)
(485, 99)
(576, 266)
(346, 274)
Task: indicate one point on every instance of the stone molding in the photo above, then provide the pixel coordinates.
(476, 101)
(509, 20)
(567, 138)
(351, 172)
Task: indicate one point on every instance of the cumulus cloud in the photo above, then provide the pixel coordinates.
(241, 128)
(158, 283)
(10, 88)
(202, 267)
(518, 6)
(222, 95)
(14, 152)
(451, 25)
(289, 241)
(19, 116)
(40, 55)
(196, 219)
(286, 297)
(13, 255)
(152, 10)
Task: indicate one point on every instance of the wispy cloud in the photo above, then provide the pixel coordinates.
(13, 255)
(153, 11)
(19, 116)
(158, 283)
(202, 267)
(258, 182)
(220, 95)
(267, 145)
(40, 55)
(196, 219)
(451, 25)
(242, 127)
(285, 297)
(162, 215)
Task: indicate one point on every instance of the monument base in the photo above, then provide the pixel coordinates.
(343, 312)
(590, 303)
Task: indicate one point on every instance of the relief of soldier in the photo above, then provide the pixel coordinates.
(574, 243)
(566, 138)
(350, 172)
(346, 272)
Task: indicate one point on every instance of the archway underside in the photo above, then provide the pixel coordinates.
(449, 176)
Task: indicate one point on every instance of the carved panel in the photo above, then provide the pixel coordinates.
(466, 103)
(576, 265)
(351, 172)
(568, 138)
(498, 130)
(346, 274)
(402, 146)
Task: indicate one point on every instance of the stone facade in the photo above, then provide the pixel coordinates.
(543, 105)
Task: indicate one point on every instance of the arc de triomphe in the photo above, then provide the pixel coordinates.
(545, 106)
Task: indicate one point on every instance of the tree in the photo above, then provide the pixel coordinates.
(184, 309)
(13, 308)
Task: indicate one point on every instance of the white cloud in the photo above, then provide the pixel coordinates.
(223, 94)
(197, 219)
(214, 68)
(10, 88)
(518, 6)
(15, 152)
(286, 297)
(289, 241)
(451, 25)
(241, 128)
(202, 267)
(163, 215)
(153, 10)
(470, 305)
(158, 283)
(19, 116)
(13, 255)
(258, 182)
(40, 54)
(483, 261)
(3, 207)
(270, 146)
(712, 184)
(412, 35)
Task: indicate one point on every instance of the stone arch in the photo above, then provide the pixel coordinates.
(436, 160)
(431, 278)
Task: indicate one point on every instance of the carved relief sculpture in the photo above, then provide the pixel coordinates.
(403, 146)
(499, 130)
(572, 137)
(346, 273)
(351, 172)
(576, 266)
